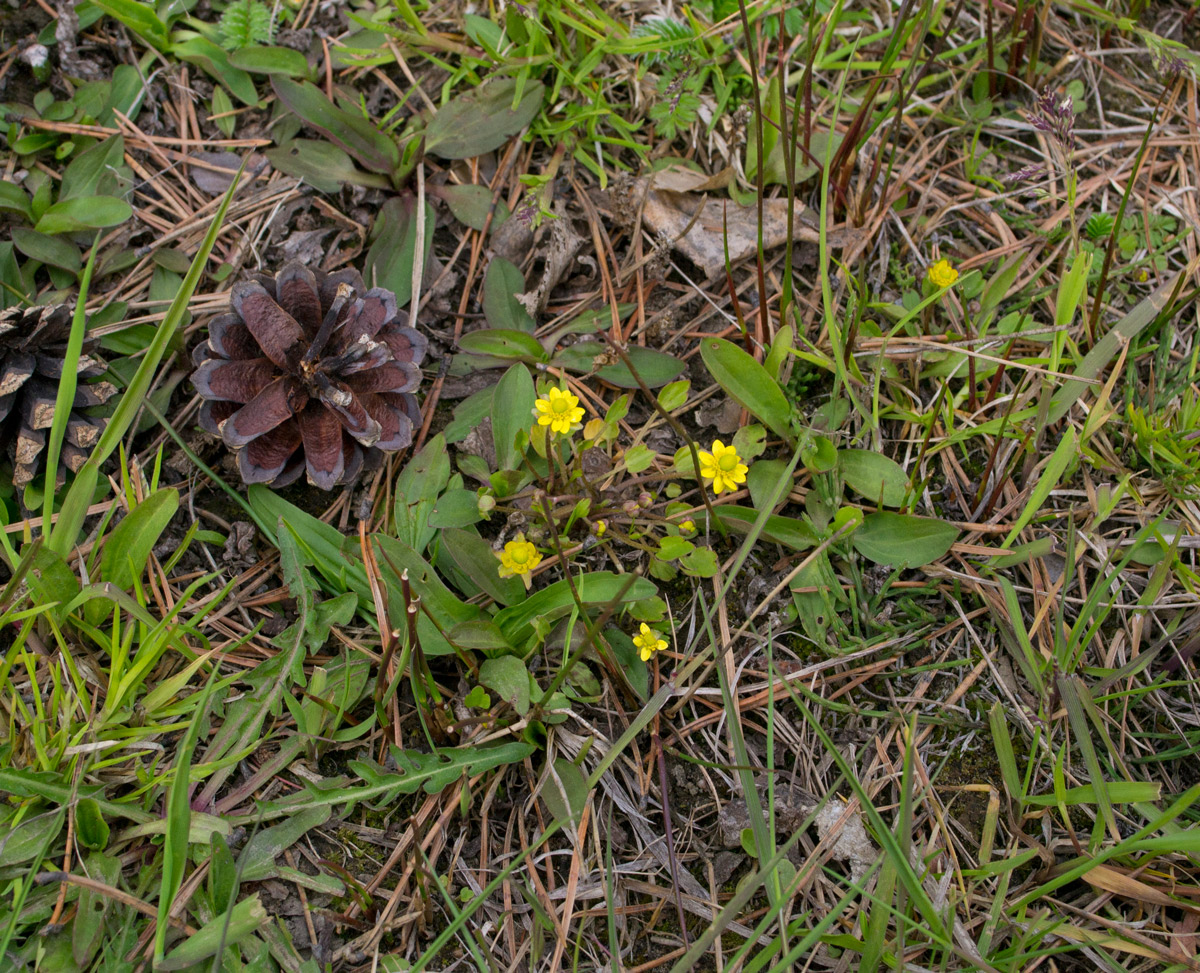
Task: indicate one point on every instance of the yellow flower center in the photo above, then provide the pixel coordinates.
(728, 463)
(521, 554)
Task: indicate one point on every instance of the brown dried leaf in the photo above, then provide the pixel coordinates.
(673, 213)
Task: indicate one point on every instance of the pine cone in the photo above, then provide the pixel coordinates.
(33, 343)
(310, 371)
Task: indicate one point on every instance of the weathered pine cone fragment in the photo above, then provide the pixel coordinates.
(33, 344)
(311, 372)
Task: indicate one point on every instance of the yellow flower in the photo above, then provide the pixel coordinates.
(648, 642)
(687, 527)
(559, 410)
(601, 527)
(723, 466)
(518, 557)
(941, 274)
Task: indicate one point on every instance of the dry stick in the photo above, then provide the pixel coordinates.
(117, 895)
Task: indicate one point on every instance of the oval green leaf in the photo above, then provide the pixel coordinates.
(471, 205)
(598, 589)
(473, 556)
(270, 60)
(501, 285)
(49, 250)
(654, 368)
(91, 829)
(748, 384)
(512, 413)
(84, 213)
(874, 476)
(504, 343)
(902, 540)
(373, 149)
(482, 119)
(507, 676)
(322, 165)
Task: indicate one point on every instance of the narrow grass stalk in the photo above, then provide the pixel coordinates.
(1110, 250)
(67, 385)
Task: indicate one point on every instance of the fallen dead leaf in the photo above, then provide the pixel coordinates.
(680, 179)
(851, 843)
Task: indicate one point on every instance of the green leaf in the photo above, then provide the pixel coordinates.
(19, 845)
(566, 792)
(482, 118)
(1104, 350)
(271, 60)
(128, 547)
(512, 415)
(787, 531)
(504, 344)
(91, 830)
(748, 384)
(655, 368)
(214, 61)
(1072, 290)
(674, 395)
(471, 205)
(321, 542)
(91, 213)
(874, 476)
(819, 454)
(178, 824)
(501, 284)
(257, 860)
(139, 18)
(373, 149)
(87, 932)
(702, 562)
(639, 457)
(478, 698)
(221, 105)
(456, 508)
(98, 169)
(509, 677)
(52, 581)
(903, 540)
(425, 476)
(473, 556)
(14, 199)
(671, 547)
(438, 600)
(394, 245)
(1119, 792)
(468, 414)
(1000, 285)
(480, 636)
(222, 873)
(48, 249)
(1060, 459)
(219, 934)
(596, 589)
(322, 165)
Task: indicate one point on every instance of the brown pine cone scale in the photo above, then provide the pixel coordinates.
(33, 347)
(311, 373)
